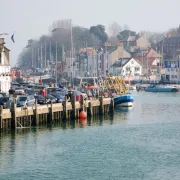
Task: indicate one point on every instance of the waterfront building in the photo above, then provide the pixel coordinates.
(86, 63)
(151, 64)
(126, 67)
(15, 73)
(5, 75)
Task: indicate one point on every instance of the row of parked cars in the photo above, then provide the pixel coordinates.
(27, 93)
(27, 96)
(55, 96)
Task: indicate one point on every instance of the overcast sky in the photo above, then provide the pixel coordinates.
(32, 18)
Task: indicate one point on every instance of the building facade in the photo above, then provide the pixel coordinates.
(15, 73)
(127, 67)
(172, 71)
(5, 74)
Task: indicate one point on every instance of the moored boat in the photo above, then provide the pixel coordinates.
(154, 88)
(124, 101)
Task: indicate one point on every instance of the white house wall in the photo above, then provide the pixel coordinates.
(118, 71)
(132, 67)
(173, 73)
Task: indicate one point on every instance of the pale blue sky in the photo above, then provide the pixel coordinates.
(32, 18)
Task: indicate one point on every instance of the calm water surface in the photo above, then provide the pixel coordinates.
(135, 144)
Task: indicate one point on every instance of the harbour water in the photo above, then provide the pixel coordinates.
(138, 143)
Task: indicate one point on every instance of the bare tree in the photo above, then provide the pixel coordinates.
(114, 29)
(126, 27)
(155, 37)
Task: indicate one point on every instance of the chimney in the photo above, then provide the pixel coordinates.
(2, 41)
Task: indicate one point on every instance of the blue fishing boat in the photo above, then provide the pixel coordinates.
(119, 89)
(124, 100)
(156, 88)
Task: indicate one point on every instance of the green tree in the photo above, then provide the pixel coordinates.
(99, 31)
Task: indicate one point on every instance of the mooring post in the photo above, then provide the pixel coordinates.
(14, 121)
(90, 108)
(82, 104)
(1, 124)
(65, 107)
(111, 108)
(73, 102)
(51, 113)
(36, 113)
(101, 107)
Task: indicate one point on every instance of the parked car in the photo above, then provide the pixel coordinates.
(3, 95)
(3, 101)
(77, 94)
(31, 92)
(24, 101)
(40, 99)
(19, 90)
(51, 98)
(59, 97)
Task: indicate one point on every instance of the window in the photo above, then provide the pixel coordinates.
(127, 68)
(137, 68)
(76, 65)
(132, 62)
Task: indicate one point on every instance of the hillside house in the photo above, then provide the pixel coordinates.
(125, 67)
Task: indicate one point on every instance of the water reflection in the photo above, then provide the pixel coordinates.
(28, 150)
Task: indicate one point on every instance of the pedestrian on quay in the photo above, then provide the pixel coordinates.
(11, 91)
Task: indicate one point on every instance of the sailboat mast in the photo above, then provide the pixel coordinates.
(71, 56)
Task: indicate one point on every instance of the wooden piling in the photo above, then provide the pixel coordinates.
(65, 112)
(36, 113)
(101, 107)
(90, 109)
(14, 120)
(111, 108)
(51, 114)
(73, 102)
(1, 124)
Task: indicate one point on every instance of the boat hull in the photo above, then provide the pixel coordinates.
(124, 101)
(149, 89)
(126, 104)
